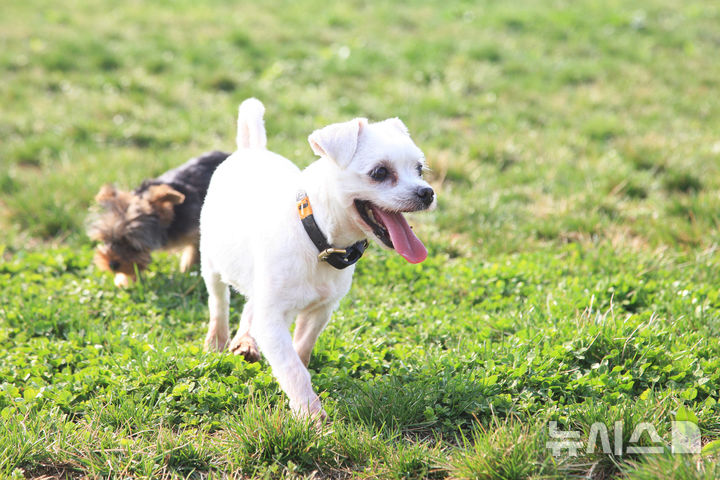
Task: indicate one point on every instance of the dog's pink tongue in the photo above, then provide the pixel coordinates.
(404, 240)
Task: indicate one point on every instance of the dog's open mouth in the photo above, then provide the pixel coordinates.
(392, 229)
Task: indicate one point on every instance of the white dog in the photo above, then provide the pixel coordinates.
(283, 237)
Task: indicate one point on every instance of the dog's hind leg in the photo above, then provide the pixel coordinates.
(308, 326)
(219, 305)
(243, 344)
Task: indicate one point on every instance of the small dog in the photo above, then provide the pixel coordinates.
(284, 237)
(163, 213)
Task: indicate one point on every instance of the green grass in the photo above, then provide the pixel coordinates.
(573, 269)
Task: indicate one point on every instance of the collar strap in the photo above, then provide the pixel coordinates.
(337, 257)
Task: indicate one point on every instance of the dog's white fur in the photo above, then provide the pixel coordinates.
(252, 238)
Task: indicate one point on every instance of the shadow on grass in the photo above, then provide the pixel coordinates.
(50, 470)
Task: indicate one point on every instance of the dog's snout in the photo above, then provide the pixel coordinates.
(426, 195)
(114, 265)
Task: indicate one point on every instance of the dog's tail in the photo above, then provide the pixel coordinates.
(251, 127)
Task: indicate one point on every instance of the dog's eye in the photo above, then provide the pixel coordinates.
(379, 174)
(419, 169)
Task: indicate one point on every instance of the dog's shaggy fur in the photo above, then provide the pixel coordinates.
(163, 213)
(252, 237)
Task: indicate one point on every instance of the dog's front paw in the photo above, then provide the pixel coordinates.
(320, 418)
(311, 410)
(245, 345)
(122, 280)
(189, 258)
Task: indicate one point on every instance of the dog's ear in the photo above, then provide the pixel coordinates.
(398, 125)
(162, 198)
(338, 141)
(162, 193)
(107, 193)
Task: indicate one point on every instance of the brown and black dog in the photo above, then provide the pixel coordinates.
(162, 213)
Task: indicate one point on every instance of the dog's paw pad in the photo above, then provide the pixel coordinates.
(251, 355)
(246, 347)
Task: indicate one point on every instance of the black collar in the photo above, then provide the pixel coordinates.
(337, 257)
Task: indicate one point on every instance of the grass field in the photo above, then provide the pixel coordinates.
(573, 275)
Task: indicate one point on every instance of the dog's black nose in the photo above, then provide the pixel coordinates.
(114, 265)
(426, 195)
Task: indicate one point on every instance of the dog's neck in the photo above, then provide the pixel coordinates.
(333, 216)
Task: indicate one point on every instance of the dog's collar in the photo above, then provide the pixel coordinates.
(337, 257)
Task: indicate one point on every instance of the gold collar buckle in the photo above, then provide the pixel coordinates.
(329, 251)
